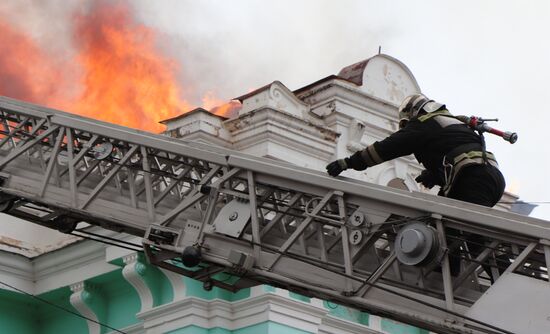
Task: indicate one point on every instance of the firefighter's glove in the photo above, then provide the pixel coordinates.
(355, 162)
(427, 179)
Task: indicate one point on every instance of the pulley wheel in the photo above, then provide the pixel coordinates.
(416, 244)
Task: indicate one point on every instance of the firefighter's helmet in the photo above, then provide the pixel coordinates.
(413, 104)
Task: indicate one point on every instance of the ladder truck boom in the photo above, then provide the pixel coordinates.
(202, 210)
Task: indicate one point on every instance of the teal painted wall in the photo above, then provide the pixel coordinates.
(22, 314)
(17, 314)
(269, 288)
(300, 297)
(277, 328)
(52, 320)
(347, 313)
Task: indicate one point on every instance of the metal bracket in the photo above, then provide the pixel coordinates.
(242, 262)
(232, 218)
(163, 237)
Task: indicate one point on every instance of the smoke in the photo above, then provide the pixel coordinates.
(33, 62)
(232, 47)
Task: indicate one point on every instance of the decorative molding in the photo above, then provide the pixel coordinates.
(80, 295)
(72, 264)
(63, 267)
(275, 95)
(351, 94)
(15, 265)
(286, 100)
(69, 265)
(133, 272)
(81, 253)
(76, 255)
(271, 127)
(334, 325)
(263, 306)
(249, 120)
(16, 270)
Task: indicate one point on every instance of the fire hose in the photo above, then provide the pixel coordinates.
(478, 124)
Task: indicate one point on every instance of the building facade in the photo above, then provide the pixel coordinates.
(54, 283)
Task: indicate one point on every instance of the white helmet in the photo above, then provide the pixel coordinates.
(413, 104)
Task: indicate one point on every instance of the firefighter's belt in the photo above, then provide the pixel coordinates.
(455, 162)
(473, 157)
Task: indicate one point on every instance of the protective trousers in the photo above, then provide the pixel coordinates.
(478, 184)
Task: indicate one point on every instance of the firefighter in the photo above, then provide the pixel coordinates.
(452, 153)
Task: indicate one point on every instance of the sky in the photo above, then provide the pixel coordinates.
(487, 58)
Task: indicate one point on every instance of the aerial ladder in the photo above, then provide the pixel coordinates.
(202, 210)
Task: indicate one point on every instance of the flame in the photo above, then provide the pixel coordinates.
(220, 107)
(126, 80)
(228, 109)
(26, 71)
(119, 75)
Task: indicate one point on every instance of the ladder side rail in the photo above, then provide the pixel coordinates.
(447, 207)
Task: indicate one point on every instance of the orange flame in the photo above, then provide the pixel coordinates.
(220, 107)
(228, 109)
(124, 79)
(26, 72)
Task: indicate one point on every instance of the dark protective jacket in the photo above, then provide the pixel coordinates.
(439, 141)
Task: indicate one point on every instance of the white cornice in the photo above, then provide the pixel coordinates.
(16, 270)
(269, 135)
(234, 315)
(360, 107)
(69, 265)
(288, 120)
(333, 325)
(83, 253)
(16, 265)
(244, 313)
(319, 94)
(276, 127)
